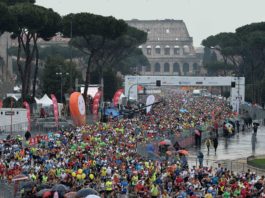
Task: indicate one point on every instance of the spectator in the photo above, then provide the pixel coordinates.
(200, 157)
(27, 135)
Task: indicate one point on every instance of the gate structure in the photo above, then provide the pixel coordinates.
(237, 84)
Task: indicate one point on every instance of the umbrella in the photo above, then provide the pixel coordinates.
(197, 132)
(184, 152)
(28, 185)
(85, 192)
(70, 195)
(41, 192)
(60, 188)
(255, 123)
(20, 178)
(92, 196)
(165, 142)
(150, 148)
(183, 110)
(43, 186)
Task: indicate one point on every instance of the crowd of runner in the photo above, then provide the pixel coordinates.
(103, 157)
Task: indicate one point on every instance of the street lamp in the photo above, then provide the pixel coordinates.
(61, 75)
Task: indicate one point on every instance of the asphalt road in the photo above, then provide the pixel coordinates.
(241, 145)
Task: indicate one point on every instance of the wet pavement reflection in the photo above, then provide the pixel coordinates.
(241, 145)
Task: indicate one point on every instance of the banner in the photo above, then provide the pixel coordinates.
(26, 104)
(150, 100)
(55, 109)
(77, 109)
(1, 103)
(96, 100)
(117, 96)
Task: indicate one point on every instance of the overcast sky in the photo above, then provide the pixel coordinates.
(202, 17)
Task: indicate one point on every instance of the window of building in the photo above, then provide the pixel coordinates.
(158, 49)
(157, 67)
(166, 67)
(148, 50)
(176, 68)
(186, 49)
(176, 50)
(186, 68)
(167, 50)
(195, 68)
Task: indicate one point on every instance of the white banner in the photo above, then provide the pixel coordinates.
(149, 100)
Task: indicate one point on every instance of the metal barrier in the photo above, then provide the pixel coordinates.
(237, 166)
(185, 139)
(6, 189)
(15, 127)
(256, 112)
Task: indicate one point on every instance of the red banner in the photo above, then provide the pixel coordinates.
(117, 96)
(1, 103)
(96, 100)
(26, 104)
(37, 139)
(55, 109)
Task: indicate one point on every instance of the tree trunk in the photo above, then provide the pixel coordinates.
(36, 70)
(87, 82)
(21, 73)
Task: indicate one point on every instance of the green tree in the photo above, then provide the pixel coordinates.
(32, 22)
(6, 19)
(57, 71)
(93, 31)
(13, 2)
(116, 50)
(245, 50)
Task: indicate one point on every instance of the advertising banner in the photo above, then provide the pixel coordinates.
(55, 109)
(26, 104)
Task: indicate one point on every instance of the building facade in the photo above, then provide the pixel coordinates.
(169, 48)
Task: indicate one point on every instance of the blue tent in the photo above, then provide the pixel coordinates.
(112, 111)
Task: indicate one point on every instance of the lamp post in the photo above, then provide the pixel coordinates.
(71, 54)
(61, 76)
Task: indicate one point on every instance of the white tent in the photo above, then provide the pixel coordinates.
(120, 99)
(44, 101)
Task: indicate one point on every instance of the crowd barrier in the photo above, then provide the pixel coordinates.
(185, 139)
(15, 128)
(6, 189)
(237, 166)
(255, 112)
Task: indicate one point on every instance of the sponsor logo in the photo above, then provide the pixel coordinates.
(184, 83)
(9, 113)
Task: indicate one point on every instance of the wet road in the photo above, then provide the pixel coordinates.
(241, 145)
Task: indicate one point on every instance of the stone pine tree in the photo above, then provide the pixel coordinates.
(31, 22)
(94, 31)
(244, 49)
(6, 19)
(113, 51)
